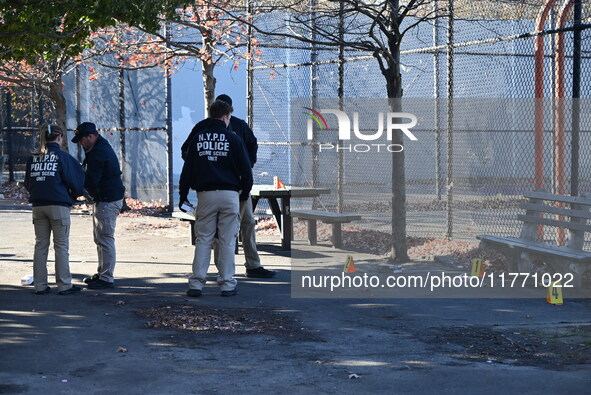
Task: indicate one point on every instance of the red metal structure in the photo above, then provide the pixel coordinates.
(559, 138)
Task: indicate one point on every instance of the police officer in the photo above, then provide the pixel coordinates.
(218, 168)
(247, 222)
(54, 180)
(105, 187)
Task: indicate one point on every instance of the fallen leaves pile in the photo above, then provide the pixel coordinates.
(493, 260)
(371, 241)
(139, 208)
(380, 243)
(135, 208)
(14, 190)
(441, 246)
(488, 202)
(249, 320)
(267, 226)
(146, 227)
(419, 248)
(557, 346)
(375, 242)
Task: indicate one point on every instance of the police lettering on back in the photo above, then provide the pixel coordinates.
(213, 145)
(44, 166)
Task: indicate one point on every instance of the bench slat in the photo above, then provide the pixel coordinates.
(553, 222)
(583, 200)
(539, 247)
(183, 216)
(543, 208)
(336, 219)
(325, 216)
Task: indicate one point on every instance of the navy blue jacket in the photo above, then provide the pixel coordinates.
(216, 160)
(237, 126)
(103, 174)
(54, 178)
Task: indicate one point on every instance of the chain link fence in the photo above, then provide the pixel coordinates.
(20, 113)
(475, 154)
(130, 110)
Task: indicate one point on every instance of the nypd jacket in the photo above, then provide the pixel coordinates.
(237, 126)
(216, 160)
(103, 174)
(54, 178)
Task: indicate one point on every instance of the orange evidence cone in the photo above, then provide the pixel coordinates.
(277, 183)
(349, 265)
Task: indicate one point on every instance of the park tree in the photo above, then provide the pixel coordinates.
(40, 40)
(202, 30)
(374, 27)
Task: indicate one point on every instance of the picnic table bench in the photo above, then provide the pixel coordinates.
(335, 219)
(191, 218)
(186, 217)
(523, 250)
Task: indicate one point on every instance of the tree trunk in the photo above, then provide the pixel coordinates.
(58, 101)
(394, 89)
(208, 84)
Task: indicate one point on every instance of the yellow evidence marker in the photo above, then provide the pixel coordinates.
(555, 294)
(477, 268)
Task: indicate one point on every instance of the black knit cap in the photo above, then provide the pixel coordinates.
(225, 98)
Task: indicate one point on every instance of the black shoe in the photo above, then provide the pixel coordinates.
(194, 293)
(230, 293)
(260, 272)
(100, 284)
(45, 291)
(74, 290)
(94, 277)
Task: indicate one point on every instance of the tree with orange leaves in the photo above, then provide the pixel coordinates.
(39, 42)
(202, 30)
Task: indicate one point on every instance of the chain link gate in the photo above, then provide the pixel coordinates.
(462, 179)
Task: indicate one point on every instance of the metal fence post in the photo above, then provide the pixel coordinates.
(314, 92)
(436, 95)
(169, 146)
(341, 94)
(450, 125)
(121, 82)
(576, 115)
(77, 78)
(9, 135)
(249, 71)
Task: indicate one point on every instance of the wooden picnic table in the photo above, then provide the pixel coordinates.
(282, 210)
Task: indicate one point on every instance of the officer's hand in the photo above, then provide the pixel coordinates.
(244, 196)
(183, 200)
(89, 199)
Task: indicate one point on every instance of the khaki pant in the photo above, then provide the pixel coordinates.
(56, 220)
(216, 211)
(104, 220)
(248, 236)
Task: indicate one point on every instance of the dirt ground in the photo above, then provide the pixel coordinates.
(145, 336)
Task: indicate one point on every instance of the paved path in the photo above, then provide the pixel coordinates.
(67, 344)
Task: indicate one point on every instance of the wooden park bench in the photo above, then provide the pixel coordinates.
(189, 217)
(523, 250)
(186, 217)
(335, 219)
